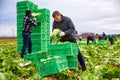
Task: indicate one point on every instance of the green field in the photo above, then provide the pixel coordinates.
(103, 63)
(7, 41)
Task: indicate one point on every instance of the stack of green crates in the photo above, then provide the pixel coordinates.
(70, 50)
(41, 33)
(61, 57)
(22, 6)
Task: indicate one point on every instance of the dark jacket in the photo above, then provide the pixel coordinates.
(67, 26)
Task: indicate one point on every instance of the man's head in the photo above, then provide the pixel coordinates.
(57, 16)
(28, 13)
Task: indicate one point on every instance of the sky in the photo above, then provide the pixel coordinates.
(95, 16)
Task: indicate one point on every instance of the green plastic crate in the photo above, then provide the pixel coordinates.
(48, 37)
(19, 33)
(44, 11)
(19, 11)
(72, 62)
(43, 18)
(38, 27)
(52, 66)
(39, 40)
(48, 31)
(44, 49)
(66, 49)
(48, 43)
(19, 37)
(38, 47)
(35, 57)
(38, 36)
(19, 23)
(35, 7)
(19, 26)
(20, 18)
(23, 4)
(20, 45)
(42, 24)
(19, 30)
(23, 10)
(21, 14)
(43, 31)
(48, 24)
(48, 34)
(41, 43)
(48, 27)
(24, 7)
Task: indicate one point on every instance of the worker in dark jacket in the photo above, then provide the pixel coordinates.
(90, 38)
(28, 23)
(112, 39)
(68, 32)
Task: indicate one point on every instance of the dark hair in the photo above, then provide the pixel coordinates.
(56, 13)
(27, 12)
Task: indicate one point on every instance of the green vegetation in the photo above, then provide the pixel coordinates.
(7, 41)
(55, 36)
(103, 63)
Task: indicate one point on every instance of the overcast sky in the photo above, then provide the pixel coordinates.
(87, 15)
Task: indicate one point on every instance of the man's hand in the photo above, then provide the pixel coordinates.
(62, 34)
(34, 19)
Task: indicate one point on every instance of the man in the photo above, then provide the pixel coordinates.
(28, 23)
(104, 36)
(68, 32)
(112, 38)
(90, 38)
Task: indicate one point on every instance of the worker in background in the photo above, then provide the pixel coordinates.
(28, 23)
(99, 37)
(104, 36)
(68, 32)
(90, 38)
(112, 39)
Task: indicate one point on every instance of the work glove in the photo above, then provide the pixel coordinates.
(62, 33)
(35, 14)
